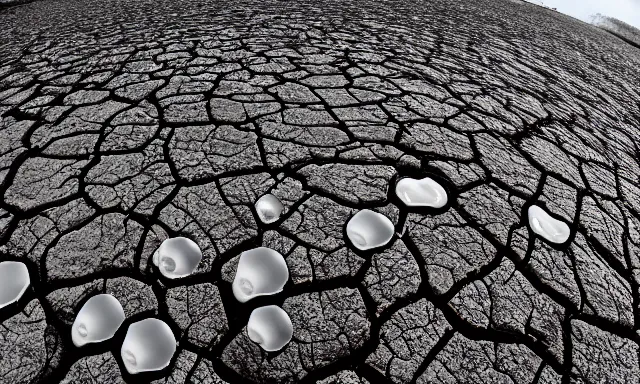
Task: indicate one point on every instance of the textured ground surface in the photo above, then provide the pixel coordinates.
(122, 122)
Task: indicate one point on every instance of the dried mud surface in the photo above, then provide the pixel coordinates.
(124, 122)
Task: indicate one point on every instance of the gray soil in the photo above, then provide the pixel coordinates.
(122, 122)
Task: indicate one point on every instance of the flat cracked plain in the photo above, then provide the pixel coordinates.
(123, 123)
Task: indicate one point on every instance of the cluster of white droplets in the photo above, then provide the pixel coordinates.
(370, 230)
(261, 272)
(149, 344)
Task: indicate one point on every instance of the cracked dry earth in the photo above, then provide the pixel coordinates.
(124, 122)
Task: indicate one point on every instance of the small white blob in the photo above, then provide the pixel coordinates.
(270, 327)
(269, 208)
(261, 271)
(14, 281)
(543, 224)
(98, 320)
(177, 257)
(368, 229)
(421, 193)
(148, 346)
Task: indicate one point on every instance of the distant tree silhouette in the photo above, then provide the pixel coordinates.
(617, 27)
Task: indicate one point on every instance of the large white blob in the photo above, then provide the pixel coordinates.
(148, 346)
(98, 320)
(368, 229)
(261, 271)
(421, 193)
(14, 281)
(544, 225)
(177, 257)
(270, 327)
(269, 208)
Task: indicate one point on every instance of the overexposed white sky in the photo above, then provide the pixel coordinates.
(625, 10)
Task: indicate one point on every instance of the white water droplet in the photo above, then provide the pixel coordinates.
(148, 346)
(98, 320)
(421, 193)
(14, 281)
(368, 229)
(177, 257)
(261, 271)
(269, 208)
(270, 327)
(555, 231)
